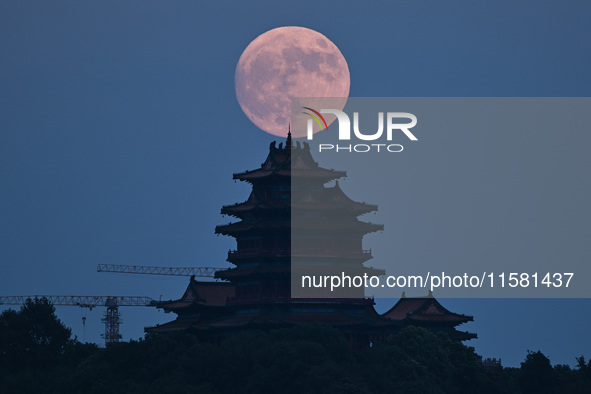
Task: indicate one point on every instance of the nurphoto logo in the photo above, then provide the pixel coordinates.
(393, 125)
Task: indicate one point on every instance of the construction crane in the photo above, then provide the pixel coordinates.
(206, 272)
(112, 317)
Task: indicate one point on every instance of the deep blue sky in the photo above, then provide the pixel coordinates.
(120, 131)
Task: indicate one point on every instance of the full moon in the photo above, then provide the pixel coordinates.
(283, 63)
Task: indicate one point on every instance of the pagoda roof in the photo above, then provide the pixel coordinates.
(237, 227)
(335, 312)
(175, 325)
(293, 316)
(325, 199)
(330, 199)
(324, 225)
(261, 173)
(202, 293)
(287, 224)
(254, 203)
(263, 318)
(461, 335)
(424, 309)
(293, 159)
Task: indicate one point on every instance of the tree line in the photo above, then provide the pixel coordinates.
(39, 355)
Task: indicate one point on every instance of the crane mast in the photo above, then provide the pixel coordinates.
(112, 317)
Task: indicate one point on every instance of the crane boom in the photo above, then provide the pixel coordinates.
(207, 272)
(83, 301)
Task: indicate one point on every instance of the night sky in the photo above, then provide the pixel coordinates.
(120, 131)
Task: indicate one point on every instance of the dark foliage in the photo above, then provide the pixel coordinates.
(37, 355)
(536, 374)
(419, 361)
(32, 337)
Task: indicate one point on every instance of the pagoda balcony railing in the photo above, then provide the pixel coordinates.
(300, 252)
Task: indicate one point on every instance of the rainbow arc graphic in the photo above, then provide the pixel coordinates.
(316, 117)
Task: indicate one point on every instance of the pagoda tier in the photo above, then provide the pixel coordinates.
(278, 165)
(329, 200)
(261, 227)
(278, 255)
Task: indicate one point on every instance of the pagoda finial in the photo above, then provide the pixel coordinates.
(288, 144)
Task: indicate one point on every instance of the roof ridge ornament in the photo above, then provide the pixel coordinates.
(289, 143)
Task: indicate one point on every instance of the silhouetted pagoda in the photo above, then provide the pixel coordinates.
(293, 222)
